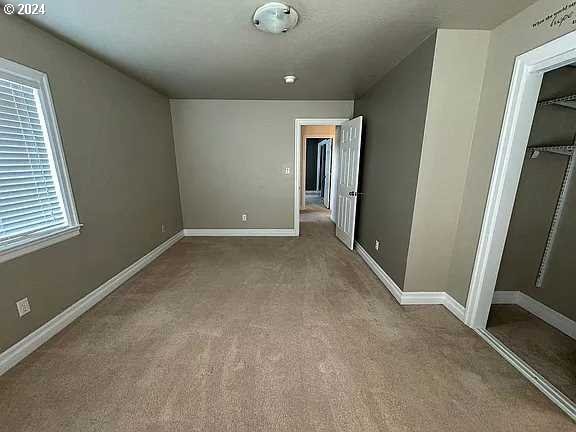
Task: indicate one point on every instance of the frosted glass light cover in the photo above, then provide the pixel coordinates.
(275, 18)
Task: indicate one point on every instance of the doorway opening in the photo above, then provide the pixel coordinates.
(337, 171)
(312, 170)
(318, 172)
(521, 299)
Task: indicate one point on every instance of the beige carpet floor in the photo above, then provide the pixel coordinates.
(268, 334)
(546, 349)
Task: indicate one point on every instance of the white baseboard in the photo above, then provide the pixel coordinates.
(416, 298)
(411, 298)
(241, 232)
(30, 343)
(380, 273)
(434, 298)
(555, 319)
(505, 297)
(555, 395)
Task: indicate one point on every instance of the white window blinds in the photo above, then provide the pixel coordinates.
(30, 200)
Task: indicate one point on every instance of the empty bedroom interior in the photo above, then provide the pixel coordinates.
(271, 217)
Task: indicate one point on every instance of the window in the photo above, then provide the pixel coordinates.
(36, 203)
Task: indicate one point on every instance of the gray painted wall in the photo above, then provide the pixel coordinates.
(231, 157)
(394, 112)
(534, 207)
(554, 124)
(118, 144)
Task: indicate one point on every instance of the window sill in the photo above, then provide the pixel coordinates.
(39, 242)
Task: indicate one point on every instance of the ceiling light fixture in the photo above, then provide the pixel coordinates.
(289, 79)
(275, 18)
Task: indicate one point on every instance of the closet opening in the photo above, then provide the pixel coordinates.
(534, 304)
(522, 299)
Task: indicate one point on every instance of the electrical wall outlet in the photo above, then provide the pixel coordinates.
(377, 245)
(244, 217)
(23, 306)
(287, 171)
(163, 228)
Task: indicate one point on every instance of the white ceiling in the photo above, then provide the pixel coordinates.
(209, 49)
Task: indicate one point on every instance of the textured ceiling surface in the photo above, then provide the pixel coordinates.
(209, 48)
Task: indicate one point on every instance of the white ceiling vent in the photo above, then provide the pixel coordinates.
(275, 18)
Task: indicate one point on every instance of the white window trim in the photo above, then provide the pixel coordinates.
(45, 238)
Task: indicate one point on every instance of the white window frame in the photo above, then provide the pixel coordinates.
(29, 243)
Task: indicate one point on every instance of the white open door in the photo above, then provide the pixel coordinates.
(327, 173)
(348, 167)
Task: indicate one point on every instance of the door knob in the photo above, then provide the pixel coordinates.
(352, 193)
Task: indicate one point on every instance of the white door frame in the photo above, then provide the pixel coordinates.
(319, 174)
(327, 199)
(525, 86)
(298, 123)
(318, 159)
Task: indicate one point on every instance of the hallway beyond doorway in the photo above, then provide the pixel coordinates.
(314, 199)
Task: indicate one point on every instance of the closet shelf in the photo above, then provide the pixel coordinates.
(568, 101)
